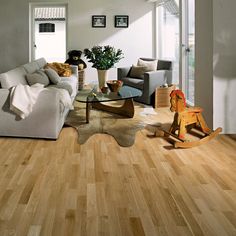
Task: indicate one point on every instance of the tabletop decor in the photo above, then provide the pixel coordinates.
(114, 85)
(103, 58)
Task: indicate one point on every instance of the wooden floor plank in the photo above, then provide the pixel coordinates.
(99, 188)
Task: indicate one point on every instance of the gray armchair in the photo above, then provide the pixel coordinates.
(151, 80)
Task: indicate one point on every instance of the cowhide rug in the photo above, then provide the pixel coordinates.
(121, 128)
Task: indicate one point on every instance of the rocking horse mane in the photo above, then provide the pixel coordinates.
(178, 94)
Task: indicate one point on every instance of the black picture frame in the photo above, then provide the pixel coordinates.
(98, 21)
(121, 21)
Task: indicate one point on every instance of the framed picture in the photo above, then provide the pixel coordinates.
(99, 21)
(121, 21)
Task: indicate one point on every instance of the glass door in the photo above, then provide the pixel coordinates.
(168, 34)
(188, 49)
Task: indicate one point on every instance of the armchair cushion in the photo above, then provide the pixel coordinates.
(133, 82)
(137, 71)
(150, 65)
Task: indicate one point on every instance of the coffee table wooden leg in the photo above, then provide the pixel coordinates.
(88, 108)
(127, 109)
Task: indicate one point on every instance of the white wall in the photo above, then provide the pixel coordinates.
(135, 41)
(224, 72)
(215, 84)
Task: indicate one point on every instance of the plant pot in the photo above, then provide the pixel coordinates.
(102, 77)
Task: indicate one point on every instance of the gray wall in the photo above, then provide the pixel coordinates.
(135, 41)
(14, 33)
(224, 62)
(204, 60)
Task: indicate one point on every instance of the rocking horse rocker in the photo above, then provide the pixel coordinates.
(186, 119)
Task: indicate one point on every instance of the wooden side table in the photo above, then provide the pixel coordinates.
(162, 96)
(81, 79)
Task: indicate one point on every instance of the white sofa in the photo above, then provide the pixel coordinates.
(48, 116)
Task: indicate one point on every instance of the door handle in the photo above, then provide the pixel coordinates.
(188, 49)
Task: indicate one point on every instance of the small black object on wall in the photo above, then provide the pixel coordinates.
(98, 21)
(121, 21)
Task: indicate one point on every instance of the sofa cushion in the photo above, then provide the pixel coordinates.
(52, 75)
(136, 83)
(41, 62)
(137, 71)
(37, 77)
(13, 78)
(63, 85)
(150, 65)
(31, 67)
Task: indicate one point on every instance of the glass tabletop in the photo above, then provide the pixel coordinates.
(91, 95)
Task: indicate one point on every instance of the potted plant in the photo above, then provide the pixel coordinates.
(103, 58)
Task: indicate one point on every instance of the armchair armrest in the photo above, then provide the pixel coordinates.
(152, 80)
(155, 78)
(122, 72)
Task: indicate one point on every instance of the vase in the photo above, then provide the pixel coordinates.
(102, 77)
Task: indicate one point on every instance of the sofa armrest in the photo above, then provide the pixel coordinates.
(74, 69)
(122, 72)
(4, 93)
(42, 122)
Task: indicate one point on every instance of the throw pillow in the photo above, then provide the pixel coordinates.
(137, 71)
(37, 77)
(150, 65)
(52, 75)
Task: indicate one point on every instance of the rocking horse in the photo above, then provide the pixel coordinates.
(186, 119)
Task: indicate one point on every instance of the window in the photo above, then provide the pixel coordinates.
(168, 35)
(46, 28)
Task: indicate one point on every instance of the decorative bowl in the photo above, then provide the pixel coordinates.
(114, 85)
(104, 89)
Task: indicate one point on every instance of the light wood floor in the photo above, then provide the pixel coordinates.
(99, 188)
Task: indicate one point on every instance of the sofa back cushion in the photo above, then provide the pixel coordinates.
(31, 67)
(13, 78)
(41, 62)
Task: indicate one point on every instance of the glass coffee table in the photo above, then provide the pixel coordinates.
(94, 99)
